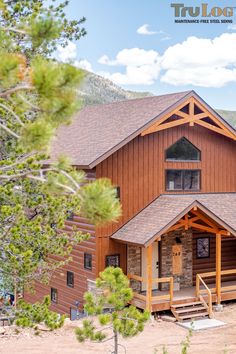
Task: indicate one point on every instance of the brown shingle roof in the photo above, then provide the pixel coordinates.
(166, 210)
(98, 131)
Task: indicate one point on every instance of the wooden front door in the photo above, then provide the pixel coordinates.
(155, 265)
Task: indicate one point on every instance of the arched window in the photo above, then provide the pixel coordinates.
(183, 150)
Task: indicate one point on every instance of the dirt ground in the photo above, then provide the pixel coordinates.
(156, 335)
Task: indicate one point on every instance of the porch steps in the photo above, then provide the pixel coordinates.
(189, 310)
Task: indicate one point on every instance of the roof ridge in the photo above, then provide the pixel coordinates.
(137, 99)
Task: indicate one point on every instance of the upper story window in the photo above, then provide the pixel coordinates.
(183, 150)
(70, 279)
(69, 215)
(179, 180)
(88, 261)
(54, 295)
(118, 192)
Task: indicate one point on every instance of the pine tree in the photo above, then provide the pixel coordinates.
(37, 95)
(31, 315)
(113, 293)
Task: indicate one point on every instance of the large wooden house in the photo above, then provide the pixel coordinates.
(172, 159)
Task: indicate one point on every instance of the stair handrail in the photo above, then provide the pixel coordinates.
(199, 281)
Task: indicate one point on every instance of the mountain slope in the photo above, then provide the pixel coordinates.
(97, 90)
(229, 116)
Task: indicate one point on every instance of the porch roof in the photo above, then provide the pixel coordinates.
(166, 210)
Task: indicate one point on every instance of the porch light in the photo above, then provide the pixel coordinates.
(178, 240)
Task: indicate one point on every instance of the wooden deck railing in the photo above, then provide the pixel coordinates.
(155, 298)
(212, 275)
(208, 305)
(171, 287)
(139, 279)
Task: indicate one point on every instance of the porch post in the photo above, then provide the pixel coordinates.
(149, 278)
(218, 268)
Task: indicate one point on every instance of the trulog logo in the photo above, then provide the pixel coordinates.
(203, 11)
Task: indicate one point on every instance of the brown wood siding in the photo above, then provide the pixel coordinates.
(203, 265)
(68, 296)
(139, 169)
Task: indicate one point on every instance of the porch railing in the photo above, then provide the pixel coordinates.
(139, 279)
(212, 275)
(154, 298)
(208, 305)
(169, 296)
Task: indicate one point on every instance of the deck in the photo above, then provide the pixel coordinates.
(184, 295)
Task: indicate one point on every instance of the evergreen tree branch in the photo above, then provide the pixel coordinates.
(8, 109)
(44, 180)
(30, 104)
(17, 162)
(16, 30)
(10, 91)
(40, 178)
(9, 131)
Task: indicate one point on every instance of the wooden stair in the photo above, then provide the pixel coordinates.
(189, 311)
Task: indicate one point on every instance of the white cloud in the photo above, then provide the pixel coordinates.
(67, 54)
(200, 76)
(196, 61)
(83, 64)
(142, 67)
(144, 30)
(106, 61)
(135, 75)
(131, 57)
(201, 62)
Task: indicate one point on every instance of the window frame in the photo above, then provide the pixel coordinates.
(183, 170)
(68, 273)
(118, 192)
(197, 247)
(116, 256)
(52, 291)
(70, 215)
(176, 160)
(90, 255)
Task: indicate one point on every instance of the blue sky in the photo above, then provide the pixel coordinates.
(177, 57)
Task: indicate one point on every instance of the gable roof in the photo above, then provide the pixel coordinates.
(98, 131)
(166, 210)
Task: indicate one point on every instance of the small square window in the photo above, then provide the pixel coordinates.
(113, 260)
(118, 192)
(70, 215)
(88, 261)
(54, 295)
(70, 279)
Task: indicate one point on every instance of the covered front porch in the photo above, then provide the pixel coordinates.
(182, 249)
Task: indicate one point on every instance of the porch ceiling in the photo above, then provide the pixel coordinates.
(165, 211)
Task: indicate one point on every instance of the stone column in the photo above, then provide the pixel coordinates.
(167, 241)
(134, 259)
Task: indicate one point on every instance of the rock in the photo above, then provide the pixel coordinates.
(218, 308)
(2, 330)
(168, 318)
(42, 327)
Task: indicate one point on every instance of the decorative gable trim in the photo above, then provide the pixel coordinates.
(191, 112)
